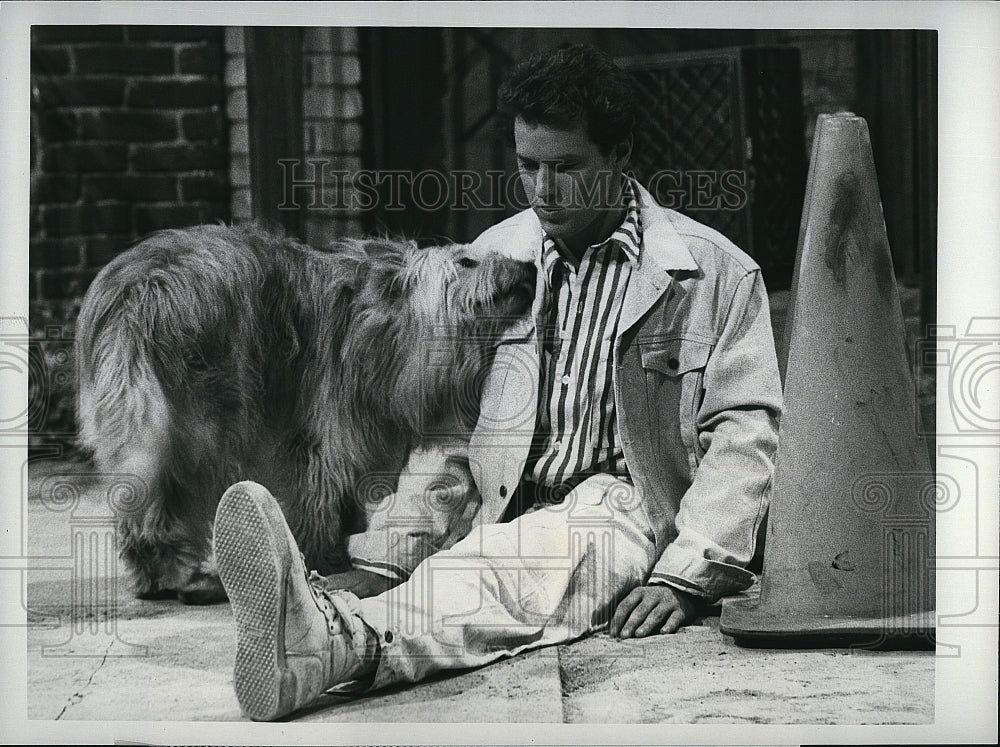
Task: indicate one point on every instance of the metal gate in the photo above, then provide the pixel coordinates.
(721, 140)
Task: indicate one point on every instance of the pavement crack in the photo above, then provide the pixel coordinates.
(79, 694)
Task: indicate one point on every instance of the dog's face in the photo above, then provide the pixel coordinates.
(445, 308)
(482, 293)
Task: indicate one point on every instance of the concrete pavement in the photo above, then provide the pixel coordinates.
(94, 653)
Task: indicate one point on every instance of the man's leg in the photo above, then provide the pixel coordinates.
(293, 640)
(548, 577)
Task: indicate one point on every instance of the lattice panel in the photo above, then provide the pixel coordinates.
(733, 110)
(690, 123)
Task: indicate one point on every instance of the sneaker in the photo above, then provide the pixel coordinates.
(294, 639)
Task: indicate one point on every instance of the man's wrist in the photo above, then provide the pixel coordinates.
(698, 601)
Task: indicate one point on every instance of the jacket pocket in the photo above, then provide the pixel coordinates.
(675, 356)
(675, 376)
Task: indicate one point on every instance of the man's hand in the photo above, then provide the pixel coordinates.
(652, 609)
(362, 583)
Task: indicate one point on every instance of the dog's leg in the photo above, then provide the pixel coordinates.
(145, 540)
(166, 551)
(186, 552)
(138, 555)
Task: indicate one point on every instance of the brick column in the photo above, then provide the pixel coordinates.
(332, 120)
(331, 127)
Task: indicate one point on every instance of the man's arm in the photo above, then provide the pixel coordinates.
(737, 428)
(434, 506)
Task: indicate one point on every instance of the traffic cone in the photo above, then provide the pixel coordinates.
(850, 538)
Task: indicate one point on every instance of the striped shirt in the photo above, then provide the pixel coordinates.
(577, 432)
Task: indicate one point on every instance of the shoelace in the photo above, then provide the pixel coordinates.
(339, 605)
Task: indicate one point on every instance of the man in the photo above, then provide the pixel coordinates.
(628, 428)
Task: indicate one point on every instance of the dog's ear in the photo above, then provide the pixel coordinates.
(396, 286)
(386, 250)
(384, 273)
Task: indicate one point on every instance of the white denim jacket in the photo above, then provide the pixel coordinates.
(698, 400)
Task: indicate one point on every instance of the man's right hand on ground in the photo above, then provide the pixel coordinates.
(649, 610)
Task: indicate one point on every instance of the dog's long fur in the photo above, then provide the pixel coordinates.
(212, 354)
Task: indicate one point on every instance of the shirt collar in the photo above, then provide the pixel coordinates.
(627, 237)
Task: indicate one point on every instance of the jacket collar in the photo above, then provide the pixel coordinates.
(663, 251)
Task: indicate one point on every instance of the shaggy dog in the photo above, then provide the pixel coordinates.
(211, 355)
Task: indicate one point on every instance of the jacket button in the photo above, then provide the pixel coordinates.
(673, 362)
(388, 636)
(503, 491)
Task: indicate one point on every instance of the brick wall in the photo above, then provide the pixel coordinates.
(128, 136)
(331, 114)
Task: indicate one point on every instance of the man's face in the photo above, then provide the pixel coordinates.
(570, 184)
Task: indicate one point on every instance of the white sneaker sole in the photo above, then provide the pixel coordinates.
(249, 534)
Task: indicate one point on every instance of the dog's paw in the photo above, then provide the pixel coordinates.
(155, 592)
(202, 589)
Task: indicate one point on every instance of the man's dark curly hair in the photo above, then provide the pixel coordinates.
(571, 84)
